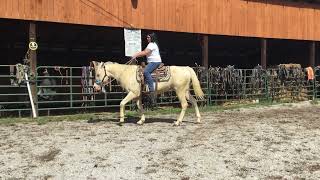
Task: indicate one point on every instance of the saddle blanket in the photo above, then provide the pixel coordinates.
(163, 74)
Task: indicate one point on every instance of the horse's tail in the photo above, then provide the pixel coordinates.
(196, 84)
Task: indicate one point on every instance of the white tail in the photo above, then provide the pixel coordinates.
(196, 84)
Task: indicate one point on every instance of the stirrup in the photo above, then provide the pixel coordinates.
(147, 89)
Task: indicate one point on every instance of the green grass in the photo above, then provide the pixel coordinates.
(161, 110)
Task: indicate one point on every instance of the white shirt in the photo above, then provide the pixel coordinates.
(154, 56)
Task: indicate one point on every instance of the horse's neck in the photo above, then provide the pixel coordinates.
(119, 70)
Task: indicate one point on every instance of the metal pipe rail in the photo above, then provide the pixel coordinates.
(65, 89)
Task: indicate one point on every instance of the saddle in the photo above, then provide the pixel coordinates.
(161, 74)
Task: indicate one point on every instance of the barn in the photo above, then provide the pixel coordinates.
(209, 33)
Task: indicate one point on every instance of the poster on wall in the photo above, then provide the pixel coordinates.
(132, 39)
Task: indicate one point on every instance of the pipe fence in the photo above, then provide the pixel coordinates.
(64, 90)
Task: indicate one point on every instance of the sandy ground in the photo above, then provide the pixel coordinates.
(278, 142)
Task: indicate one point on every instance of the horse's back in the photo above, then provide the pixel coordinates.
(184, 70)
(181, 74)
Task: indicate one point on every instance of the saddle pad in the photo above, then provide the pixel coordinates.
(163, 72)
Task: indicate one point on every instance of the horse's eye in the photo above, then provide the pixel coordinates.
(98, 75)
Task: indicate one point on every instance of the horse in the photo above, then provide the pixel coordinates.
(126, 75)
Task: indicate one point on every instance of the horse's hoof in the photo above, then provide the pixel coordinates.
(176, 123)
(198, 120)
(140, 122)
(121, 120)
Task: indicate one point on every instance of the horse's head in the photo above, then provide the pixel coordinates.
(101, 75)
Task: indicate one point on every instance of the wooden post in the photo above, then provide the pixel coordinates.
(33, 63)
(205, 50)
(264, 53)
(312, 56)
(317, 54)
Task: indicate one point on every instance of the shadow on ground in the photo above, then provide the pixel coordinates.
(132, 120)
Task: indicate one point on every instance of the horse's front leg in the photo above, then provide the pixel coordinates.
(140, 107)
(123, 103)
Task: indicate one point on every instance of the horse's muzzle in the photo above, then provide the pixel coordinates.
(96, 87)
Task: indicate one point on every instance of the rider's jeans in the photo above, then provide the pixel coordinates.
(147, 74)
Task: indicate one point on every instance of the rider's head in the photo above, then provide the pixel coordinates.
(152, 37)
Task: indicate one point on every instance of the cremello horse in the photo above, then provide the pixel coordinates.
(181, 79)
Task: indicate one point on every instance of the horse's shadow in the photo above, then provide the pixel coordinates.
(132, 120)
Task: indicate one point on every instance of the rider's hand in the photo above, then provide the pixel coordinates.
(133, 58)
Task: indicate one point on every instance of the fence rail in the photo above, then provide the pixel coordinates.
(63, 89)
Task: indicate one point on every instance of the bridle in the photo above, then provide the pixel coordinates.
(100, 82)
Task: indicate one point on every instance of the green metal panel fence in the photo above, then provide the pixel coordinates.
(69, 90)
(317, 83)
(13, 98)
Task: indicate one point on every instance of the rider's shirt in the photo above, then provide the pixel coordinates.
(154, 56)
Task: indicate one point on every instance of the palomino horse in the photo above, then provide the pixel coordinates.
(180, 81)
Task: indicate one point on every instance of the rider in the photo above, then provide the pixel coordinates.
(153, 59)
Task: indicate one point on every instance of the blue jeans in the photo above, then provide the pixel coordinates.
(147, 74)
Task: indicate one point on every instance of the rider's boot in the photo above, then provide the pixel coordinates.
(153, 99)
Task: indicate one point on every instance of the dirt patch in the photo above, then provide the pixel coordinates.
(49, 156)
(277, 142)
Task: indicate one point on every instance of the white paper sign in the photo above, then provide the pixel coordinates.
(132, 39)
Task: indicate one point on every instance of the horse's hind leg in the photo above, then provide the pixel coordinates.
(123, 103)
(184, 104)
(141, 110)
(194, 103)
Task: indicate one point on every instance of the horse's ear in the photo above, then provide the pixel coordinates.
(94, 63)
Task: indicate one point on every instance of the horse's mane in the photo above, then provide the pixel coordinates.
(110, 62)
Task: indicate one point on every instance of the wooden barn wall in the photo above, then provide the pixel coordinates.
(224, 17)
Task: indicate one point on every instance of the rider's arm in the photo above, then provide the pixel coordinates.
(145, 52)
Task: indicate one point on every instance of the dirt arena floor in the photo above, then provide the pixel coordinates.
(277, 142)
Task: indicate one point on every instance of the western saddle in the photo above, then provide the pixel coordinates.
(161, 74)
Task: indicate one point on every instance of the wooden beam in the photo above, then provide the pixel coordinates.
(205, 51)
(312, 55)
(33, 62)
(264, 53)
